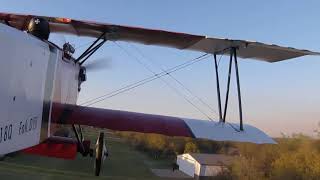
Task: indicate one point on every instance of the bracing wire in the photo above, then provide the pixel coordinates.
(146, 80)
(163, 80)
(150, 78)
(175, 79)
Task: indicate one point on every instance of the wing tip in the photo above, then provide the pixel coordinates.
(218, 131)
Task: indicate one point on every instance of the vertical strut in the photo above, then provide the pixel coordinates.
(218, 87)
(238, 87)
(80, 131)
(228, 87)
(80, 142)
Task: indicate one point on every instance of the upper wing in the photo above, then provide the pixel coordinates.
(148, 123)
(246, 49)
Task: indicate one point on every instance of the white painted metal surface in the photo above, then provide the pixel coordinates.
(66, 81)
(227, 132)
(23, 66)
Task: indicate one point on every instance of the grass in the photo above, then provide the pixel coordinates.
(123, 163)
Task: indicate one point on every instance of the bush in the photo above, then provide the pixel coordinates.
(303, 163)
(295, 157)
(246, 169)
(191, 147)
(169, 147)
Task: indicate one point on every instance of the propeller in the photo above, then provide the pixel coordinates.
(93, 65)
(98, 64)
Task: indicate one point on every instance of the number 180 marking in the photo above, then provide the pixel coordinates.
(5, 133)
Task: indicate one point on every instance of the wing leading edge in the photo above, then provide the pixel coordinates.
(246, 49)
(148, 123)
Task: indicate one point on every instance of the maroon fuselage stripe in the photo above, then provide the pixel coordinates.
(121, 120)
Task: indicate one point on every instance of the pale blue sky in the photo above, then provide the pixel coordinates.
(278, 97)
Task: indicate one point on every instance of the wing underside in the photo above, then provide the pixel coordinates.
(148, 123)
(246, 49)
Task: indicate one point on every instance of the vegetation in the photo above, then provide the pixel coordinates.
(160, 146)
(296, 157)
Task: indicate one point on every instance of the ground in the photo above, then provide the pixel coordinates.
(124, 163)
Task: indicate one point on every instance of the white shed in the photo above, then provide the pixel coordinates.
(200, 165)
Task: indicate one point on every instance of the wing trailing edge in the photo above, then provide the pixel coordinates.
(148, 123)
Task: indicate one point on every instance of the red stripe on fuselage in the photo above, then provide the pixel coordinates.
(54, 148)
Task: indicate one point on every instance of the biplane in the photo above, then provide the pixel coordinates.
(41, 82)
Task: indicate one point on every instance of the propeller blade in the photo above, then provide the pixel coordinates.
(98, 64)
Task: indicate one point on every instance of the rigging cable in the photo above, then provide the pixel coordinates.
(175, 79)
(163, 80)
(150, 78)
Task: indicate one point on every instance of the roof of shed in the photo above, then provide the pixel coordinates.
(212, 159)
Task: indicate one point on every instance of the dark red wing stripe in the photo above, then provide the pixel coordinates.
(246, 49)
(120, 120)
(123, 33)
(136, 34)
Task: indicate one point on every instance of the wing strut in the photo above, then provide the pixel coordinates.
(218, 86)
(79, 139)
(233, 56)
(92, 48)
(238, 86)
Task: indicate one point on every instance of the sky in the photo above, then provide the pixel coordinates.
(278, 98)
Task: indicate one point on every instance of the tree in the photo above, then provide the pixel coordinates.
(302, 163)
(246, 169)
(191, 147)
(156, 143)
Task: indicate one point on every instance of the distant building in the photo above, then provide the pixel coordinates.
(202, 166)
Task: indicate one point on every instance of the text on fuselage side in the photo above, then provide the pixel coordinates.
(25, 126)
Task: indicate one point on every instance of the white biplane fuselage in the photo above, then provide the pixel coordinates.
(33, 75)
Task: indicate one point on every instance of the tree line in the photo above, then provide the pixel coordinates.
(160, 146)
(295, 157)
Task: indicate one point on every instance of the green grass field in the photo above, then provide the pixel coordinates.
(123, 163)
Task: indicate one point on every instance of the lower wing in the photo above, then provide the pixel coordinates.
(148, 123)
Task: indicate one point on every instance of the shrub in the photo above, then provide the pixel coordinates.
(246, 169)
(191, 147)
(303, 163)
